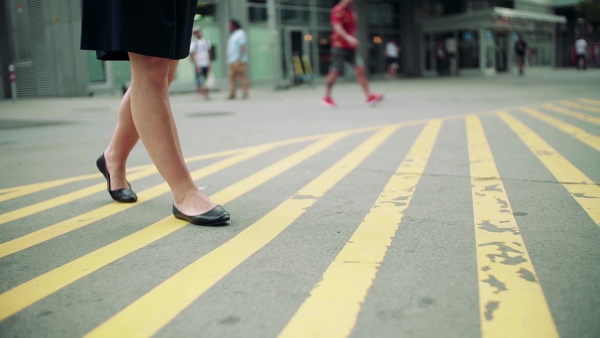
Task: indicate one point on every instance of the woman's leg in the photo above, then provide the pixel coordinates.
(151, 112)
(123, 140)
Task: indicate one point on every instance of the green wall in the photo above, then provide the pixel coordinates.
(259, 54)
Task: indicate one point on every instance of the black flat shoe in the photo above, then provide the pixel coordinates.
(215, 216)
(121, 195)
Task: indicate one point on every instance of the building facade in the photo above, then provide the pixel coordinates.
(287, 39)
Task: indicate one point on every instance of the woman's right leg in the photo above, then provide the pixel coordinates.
(151, 112)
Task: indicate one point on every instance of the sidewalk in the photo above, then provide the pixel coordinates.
(408, 92)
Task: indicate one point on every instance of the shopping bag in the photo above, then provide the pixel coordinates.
(210, 80)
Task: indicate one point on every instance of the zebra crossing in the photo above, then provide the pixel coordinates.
(511, 300)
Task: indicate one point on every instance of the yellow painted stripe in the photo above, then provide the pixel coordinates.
(585, 191)
(42, 286)
(576, 132)
(79, 194)
(511, 300)
(66, 198)
(580, 106)
(10, 193)
(154, 310)
(18, 191)
(589, 101)
(334, 303)
(577, 115)
(77, 222)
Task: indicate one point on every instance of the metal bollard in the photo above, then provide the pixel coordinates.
(12, 77)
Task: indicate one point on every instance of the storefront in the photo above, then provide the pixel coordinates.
(296, 50)
(483, 41)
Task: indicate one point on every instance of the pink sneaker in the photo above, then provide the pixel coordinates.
(328, 102)
(374, 99)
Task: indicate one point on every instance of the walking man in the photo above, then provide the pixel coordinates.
(344, 48)
(520, 50)
(581, 50)
(237, 59)
(392, 53)
(200, 52)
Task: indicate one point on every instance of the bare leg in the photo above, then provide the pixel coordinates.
(361, 77)
(123, 140)
(232, 80)
(151, 112)
(330, 81)
(244, 79)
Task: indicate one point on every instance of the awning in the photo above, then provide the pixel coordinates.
(496, 16)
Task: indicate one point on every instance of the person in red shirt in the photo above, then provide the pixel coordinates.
(344, 48)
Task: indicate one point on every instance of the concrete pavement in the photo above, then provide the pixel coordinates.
(458, 207)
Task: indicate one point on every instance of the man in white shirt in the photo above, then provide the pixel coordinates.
(392, 53)
(237, 58)
(200, 52)
(581, 50)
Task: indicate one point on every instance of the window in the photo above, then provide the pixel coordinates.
(468, 49)
(257, 14)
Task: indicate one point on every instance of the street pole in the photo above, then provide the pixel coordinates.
(273, 40)
(12, 77)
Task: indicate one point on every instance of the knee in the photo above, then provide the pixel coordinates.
(154, 69)
(359, 71)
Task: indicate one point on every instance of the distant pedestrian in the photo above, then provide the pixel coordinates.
(520, 51)
(200, 53)
(392, 53)
(344, 48)
(113, 28)
(441, 58)
(237, 59)
(581, 51)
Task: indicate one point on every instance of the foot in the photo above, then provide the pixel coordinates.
(215, 216)
(124, 195)
(231, 97)
(194, 203)
(328, 102)
(116, 172)
(374, 99)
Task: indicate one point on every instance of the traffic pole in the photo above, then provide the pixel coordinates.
(12, 77)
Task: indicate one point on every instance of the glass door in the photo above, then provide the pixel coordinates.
(297, 54)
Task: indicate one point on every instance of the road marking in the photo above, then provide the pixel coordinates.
(34, 290)
(572, 113)
(585, 191)
(580, 106)
(66, 198)
(511, 300)
(589, 101)
(18, 191)
(335, 302)
(154, 310)
(10, 193)
(77, 222)
(576, 132)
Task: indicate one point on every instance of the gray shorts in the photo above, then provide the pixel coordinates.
(341, 55)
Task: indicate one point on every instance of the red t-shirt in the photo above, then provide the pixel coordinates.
(349, 20)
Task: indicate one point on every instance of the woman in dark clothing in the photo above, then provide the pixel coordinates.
(114, 29)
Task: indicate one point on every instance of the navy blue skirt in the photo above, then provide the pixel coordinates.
(160, 28)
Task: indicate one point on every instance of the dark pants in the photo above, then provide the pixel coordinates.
(581, 61)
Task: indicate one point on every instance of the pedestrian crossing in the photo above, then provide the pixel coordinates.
(511, 296)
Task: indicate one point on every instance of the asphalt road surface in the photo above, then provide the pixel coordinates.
(457, 207)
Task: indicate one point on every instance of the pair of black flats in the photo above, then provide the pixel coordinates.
(216, 216)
